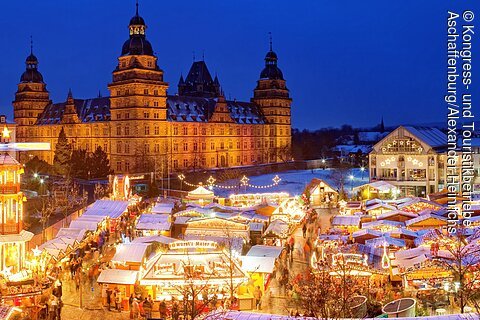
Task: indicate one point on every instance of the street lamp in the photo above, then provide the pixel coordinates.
(35, 175)
(351, 177)
(362, 169)
(324, 163)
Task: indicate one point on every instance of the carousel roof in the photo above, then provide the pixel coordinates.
(201, 193)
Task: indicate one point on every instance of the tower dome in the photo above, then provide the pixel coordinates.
(271, 70)
(137, 44)
(31, 73)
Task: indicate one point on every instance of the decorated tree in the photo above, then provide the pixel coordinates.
(63, 152)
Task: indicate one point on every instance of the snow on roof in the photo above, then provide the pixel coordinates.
(277, 227)
(346, 221)
(381, 186)
(130, 252)
(256, 226)
(159, 222)
(364, 232)
(118, 276)
(411, 253)
(23, 236)
(234, 243)
(378, 242)
(431, 136)
(77, 234)
(379, 205)
(424, 217)
(265, 251)
(378, 223)
(84, 224)
(258, 264)
(393, 213)
(107, 208)
(163, 207)
(150, 239)
(371, 136)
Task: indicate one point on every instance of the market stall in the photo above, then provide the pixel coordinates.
(321, 194)
(153, 224)
(200, 195)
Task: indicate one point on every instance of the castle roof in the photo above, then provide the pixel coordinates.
(179, 109)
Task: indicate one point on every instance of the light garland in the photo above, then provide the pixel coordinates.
(243, 182)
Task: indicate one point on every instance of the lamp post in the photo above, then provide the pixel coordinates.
(362, 169)
(351, 177)
(324, 163)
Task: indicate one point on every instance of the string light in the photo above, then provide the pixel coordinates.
(243, 182)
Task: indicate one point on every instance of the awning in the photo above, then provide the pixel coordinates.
(117, 276)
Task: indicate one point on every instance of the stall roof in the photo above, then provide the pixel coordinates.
(236, 243)
(389, 214)
(201, 193)
(380, 241)
(381, 186)
(131, 252)
(163, 207)
(150, 239)
(118, 276)
(158, 222)
(258, 264)
(265, 251)
(23, 236)
(346, 221)
(425, 217)
(84, 224)
(256, 226)
(107, 208)
(278, 227)
(77, 234)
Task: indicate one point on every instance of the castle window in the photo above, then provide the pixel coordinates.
(238, 131)
(212, 131)
(222, 131)
(155, 115)
(212, 146)
(127, 166)
(157, 147)
(175, 131)
(238, 159)
(147, 130)
(195, 131)
(155, 103)
(145, 91)
(185, 163)
(127, 115)
(119, 165)
(119, 131)
(156, 130)
(204, 162)
(245, 145)
(105, 131)
(185, 131)
(222, 145)
(212, 161)
(204, 131)
(195, 146)
(127, 147)
(230, 144)
(238, 144)
(118, 92)
(155, 92)
(204, 146)
(149, 63)
(244, 131)
(175, 147)
(119, 147)
(271, 143)
(105, 147)
(119, 116)
(146, 148)
(175, 164)
(230, 131)
(127, 130)
(185, 146)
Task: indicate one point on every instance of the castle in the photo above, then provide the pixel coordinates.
(143, 128)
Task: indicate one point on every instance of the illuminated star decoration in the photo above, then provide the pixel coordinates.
(244, 180)
(36, 251)
(181, 176)
(276, 179)
(211, 180)
(5, 133)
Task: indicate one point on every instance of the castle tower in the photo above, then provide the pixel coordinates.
(30, 99)
(272, 95)
(138, 104)
(199, 82)
(13, 237)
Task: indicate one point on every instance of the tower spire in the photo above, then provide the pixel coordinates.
(31, 44)
(270, 36)
(136, 8)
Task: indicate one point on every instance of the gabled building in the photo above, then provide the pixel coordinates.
(412, 159)
(144, 128)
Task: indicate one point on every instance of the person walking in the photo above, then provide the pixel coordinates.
(135, 309)
(118, 300)
(257, 294)
(109, 298)
(304, 229)
(147, 307)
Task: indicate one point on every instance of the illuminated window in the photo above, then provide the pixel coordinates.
(402, 145)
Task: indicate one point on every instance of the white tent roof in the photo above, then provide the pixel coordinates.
(157, 222)
(117, 276)
(84, 224)
(346, 221)
(77, 234)
(23, 236)
(265, 251)
(258, 264)
(131, 252)
(277, 227)
(107, 208)
(381, 186)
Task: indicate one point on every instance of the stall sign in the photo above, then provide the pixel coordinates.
(427, 274)
(20, 290)
(164, 268)
(193, 244)
(349, 258)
